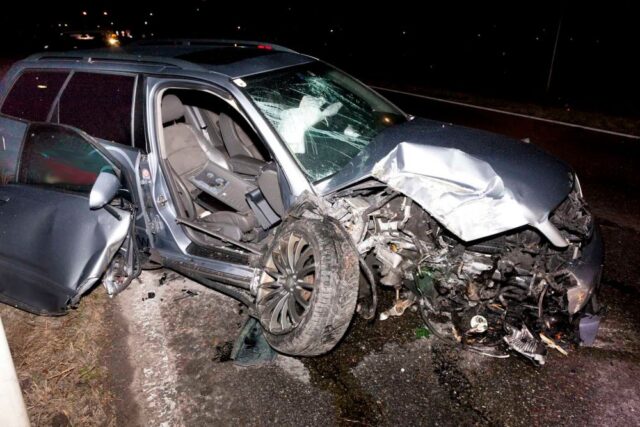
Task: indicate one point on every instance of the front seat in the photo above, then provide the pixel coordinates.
(183, 143)
(236, 140)
(186, 158)
(244, 156)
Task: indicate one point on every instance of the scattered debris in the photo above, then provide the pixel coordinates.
(150, 295)
(222, 352)
(251, 347)
(398, 308)
(479, 325)
(552, 344)
(422, 332)
(167, 277)
(187, 293)
(475, 291)
(523, 342)
(163, 279)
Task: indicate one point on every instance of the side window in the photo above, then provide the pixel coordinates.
(32, 94)
(99, 104)
(59, 158)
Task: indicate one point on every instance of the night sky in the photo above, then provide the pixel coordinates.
(488, 48)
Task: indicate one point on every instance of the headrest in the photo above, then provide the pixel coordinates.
(172, 109)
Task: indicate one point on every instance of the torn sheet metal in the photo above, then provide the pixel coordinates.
(523, 341)
(461, 191)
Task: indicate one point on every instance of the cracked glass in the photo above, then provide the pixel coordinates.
(324, 117)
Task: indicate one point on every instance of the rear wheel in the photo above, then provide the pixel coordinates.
(308, 288)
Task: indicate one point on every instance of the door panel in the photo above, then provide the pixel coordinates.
(53, 248)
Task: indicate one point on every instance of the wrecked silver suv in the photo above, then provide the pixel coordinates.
(286, 184)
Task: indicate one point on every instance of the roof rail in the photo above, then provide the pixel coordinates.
(97, 56)
(209, 43)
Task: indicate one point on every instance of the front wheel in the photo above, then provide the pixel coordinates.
(308, 287)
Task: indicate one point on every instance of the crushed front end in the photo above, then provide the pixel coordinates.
(512, 292)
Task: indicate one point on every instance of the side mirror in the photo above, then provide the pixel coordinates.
(104, 190)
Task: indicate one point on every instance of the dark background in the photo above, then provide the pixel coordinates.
(484, 48)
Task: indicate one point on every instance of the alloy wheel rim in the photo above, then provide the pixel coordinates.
(287, 284)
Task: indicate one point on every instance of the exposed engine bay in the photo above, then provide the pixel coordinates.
(512, 292)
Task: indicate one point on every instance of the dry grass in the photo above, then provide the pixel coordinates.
(60, 363)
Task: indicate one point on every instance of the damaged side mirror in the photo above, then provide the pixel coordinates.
(104, 190)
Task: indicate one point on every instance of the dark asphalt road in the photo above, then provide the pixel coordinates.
(381, 373)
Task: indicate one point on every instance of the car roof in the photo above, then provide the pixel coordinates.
(231, 58)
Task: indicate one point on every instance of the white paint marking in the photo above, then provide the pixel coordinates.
(495, 110)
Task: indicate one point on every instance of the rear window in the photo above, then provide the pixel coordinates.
(33, 94)
(99, 104)
(61, 159)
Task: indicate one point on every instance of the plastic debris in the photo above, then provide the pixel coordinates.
(588, 328)
(479, 325)
(422, 332)
(398, 308)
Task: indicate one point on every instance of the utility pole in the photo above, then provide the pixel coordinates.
(555, 51)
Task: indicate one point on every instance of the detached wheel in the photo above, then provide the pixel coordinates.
(308, 288)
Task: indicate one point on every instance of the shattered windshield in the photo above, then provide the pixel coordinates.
(323, 116)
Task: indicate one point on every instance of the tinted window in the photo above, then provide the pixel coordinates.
(99, 104)
(60, 158)
(33, 94)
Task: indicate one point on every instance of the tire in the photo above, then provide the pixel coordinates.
(330, 291)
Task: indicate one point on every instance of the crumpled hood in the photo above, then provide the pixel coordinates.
(477, 184)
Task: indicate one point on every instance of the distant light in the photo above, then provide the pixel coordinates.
(66, 25)
(265, 47)
(331, 30)
(479, 35)
(146, 22)
(238, 27)
(105, 13)
(404, 33)
(113, 42)
(41, 86)
(150, 13)
(84, 13)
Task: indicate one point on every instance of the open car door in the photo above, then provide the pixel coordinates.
(63, 217)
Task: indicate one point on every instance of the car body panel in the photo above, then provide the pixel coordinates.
(46, 255)
(476, 183)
